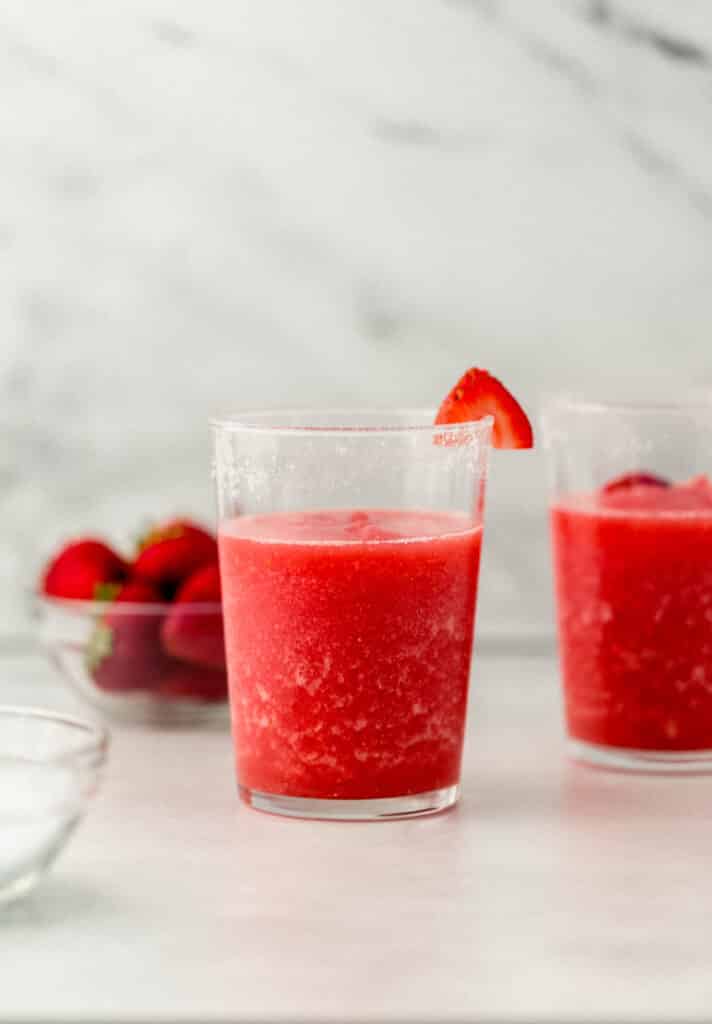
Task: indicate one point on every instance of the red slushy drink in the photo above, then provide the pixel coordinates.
(349, 635)
(633, 569)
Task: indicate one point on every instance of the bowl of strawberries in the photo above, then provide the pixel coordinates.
(139, 637)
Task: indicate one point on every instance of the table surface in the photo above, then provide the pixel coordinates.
(553, 891)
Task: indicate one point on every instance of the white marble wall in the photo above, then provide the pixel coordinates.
(208, 204)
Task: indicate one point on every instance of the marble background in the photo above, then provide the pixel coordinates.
(206, 205)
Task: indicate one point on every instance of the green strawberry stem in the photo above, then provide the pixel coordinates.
(100, 646)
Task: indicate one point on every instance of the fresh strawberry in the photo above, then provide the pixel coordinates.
(193, 682)
(170, 553)
(136, 592)
(479, 394)
(203, 585)
(628, 480)
(80, 568)
(196, 635)
(124, 652)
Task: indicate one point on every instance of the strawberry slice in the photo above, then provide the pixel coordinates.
(172, 552)
(196, 635)
(80, 568)
(629, 480)
(478, 394)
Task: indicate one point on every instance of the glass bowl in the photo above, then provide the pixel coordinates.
(159, 664)
(49, 768)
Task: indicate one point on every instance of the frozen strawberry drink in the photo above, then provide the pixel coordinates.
(631, 532)
(349, 636)
(633, 565)
(349, 550)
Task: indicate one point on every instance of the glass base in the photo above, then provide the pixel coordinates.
(649, 762)
(413, 806)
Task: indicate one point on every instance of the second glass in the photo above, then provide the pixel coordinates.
(631, 523)
(349, 554)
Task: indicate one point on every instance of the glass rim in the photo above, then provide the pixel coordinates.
(248, 421)
(574, 402)
(95, 736)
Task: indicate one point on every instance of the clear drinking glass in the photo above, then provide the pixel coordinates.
(349, 551)
(631, 528)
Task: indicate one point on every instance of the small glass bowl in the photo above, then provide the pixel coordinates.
(157, 664)
(49, 768)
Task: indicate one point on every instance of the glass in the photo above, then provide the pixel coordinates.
(631, 530)
(114, 655)
(349, 551)
(49, 768)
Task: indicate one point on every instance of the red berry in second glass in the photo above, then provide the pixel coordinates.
(629, 480)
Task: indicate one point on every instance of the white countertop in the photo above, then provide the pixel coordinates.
(552, 892)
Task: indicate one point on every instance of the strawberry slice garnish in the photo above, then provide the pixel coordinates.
(81, 569)
(172, 552)
(478, 394)
(630, 480)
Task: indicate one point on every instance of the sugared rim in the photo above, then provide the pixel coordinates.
(95, 736)
(573, 402)
(127, 607)
(407, 421)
